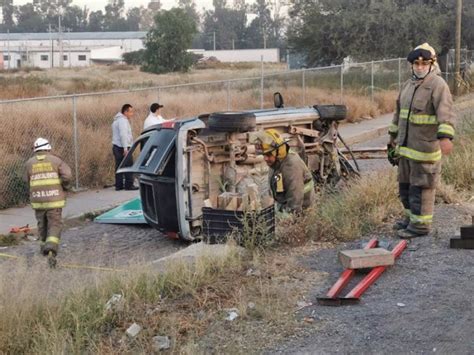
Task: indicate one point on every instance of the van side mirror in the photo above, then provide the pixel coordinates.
(278, 100)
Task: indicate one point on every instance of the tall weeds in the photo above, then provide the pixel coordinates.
(359, 208)
(458, 169)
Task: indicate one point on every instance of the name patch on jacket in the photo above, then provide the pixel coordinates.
(40, 194)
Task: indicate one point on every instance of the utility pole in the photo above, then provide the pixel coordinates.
(457, 54)
(69, 46)
(214, 39)
(8, 48)
(233, 44)
(52, 44)
(60, 40)
(264, 41)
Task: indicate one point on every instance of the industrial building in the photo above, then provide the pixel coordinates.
(80, 49)
(67, 49)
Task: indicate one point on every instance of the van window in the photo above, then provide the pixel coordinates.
(157, 148)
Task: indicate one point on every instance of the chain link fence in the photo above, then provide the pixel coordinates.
(79, 126)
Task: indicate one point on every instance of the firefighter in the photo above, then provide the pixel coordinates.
(421, 133)
(291, 182)
(48, 177)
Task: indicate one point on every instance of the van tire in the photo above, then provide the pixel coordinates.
(332, 112)
(232, 121)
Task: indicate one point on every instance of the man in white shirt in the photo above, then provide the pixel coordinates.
(122, 140)
(154, 117)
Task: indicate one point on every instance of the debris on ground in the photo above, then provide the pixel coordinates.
(114, 302)
(161, 343)
(252, 272)
(232, 314)
(303, 304)
(133, 330)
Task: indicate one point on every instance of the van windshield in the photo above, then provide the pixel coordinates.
(155, 150)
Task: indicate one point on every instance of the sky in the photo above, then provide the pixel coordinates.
(100, 4)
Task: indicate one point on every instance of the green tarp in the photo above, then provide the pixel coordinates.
(129, 213)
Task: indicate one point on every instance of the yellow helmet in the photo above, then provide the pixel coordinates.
(270, 142)
(423, 52)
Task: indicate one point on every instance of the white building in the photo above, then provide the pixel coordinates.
(48, 50)
(269, 55)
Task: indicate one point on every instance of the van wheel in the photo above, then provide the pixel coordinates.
(332, 112)
(232, 121)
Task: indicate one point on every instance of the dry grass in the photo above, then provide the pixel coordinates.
(458, 169)
(359, 208)
(187, 303)
(53, 119)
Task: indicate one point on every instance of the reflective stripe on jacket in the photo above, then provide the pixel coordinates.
(291, 183)
(47, 176)
(424, 114)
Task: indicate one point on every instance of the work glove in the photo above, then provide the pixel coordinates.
(392, 155)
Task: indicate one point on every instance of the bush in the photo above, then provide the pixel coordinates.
(134, 58)
(458, 169)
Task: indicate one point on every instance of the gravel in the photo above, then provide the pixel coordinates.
(423, 304)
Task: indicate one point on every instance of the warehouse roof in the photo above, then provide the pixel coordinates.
(72, 36)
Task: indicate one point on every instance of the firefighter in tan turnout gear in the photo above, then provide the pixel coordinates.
(48, 177)
(291, 182)
(421, 133)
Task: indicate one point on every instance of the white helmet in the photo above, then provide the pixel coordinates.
(42, 144)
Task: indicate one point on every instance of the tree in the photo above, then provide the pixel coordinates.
(75, 19)
(29, 19)
(134, 16)
(228, 25)
(96, 21)
(7, 14)
(113, 18)
(263, 31)
(326, 31)
(167, 42)
(148, 14)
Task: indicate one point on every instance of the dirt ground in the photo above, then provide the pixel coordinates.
(423, 304)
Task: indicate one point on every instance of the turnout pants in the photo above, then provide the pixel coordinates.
(126, 178)
(49, 229)
(417, 188)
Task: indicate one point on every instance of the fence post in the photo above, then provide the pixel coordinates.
(228, 96)
(399, 73)
(372, 81)
(342, 82)
(261, 84)
(303, 84)
(76, 143)
(447, 67)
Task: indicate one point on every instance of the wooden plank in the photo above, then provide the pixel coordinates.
(366, 258)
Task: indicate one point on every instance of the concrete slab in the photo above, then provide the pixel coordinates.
(77, 205)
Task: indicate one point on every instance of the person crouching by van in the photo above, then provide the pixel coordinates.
(154, 117)
(48, 178)
(122, 141)
(291, 181)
